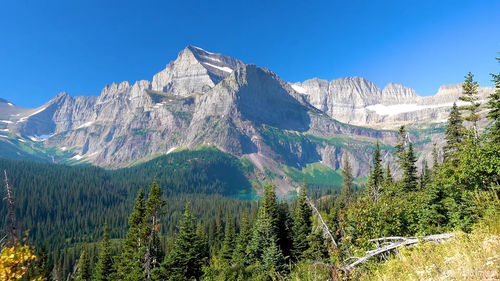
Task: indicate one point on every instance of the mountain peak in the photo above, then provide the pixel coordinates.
(194, 70)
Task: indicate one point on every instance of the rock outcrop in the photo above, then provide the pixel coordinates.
(359, 102)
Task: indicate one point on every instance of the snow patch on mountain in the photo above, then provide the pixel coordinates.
(85, 125)
(36, 112)
(39, 138)
(299, 89)
(223, 68)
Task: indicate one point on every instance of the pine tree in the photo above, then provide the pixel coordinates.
(469, 95)
(347, 182)
(435, 157)
(425, 176)
(229, 240)
(400, 152)
(131, 261)
(83, 268)
(454, 133)
(273, 261)
(202, 244)
(494, 107)
(270, 207)
(104, 267)
(242, 240)
(154, 209)
(378, 173)
(285, 242)
(265, 229)
(409, 179)
(406, 159)
(317, 250)
(219, 230)
(185, 260)
(302, 224)
(388, 180)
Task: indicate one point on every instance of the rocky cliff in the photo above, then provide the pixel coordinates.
(359, 102)
(203, 98)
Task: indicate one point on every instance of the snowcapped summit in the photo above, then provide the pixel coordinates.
(194, 70)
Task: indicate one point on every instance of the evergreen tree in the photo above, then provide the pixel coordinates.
(302, 224)
(425, 176)
(401, 152)
(494, 107)
(229, 240)
(469, 95)
(265, 230)
(406, 159)
(388, 180)
(376, 176)
(370, 188)
(154, 208)
(202, 244)
(454, 132)
(83, 269)
(131, 261)
(185, 261)
(435, 157)
(270, 207)
(104, 267)
(409, 179)
(285, 242)
(242, 240)
(317, 250)
(273, 261)
(219, 230)
(378, 173)
(347, 190)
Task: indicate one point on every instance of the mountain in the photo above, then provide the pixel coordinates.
(203, 98)
(359, 102)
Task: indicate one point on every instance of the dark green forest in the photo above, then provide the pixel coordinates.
(180, 226)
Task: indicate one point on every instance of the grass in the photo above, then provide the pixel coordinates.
(467, 256)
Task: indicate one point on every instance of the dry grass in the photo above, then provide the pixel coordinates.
(473, 256)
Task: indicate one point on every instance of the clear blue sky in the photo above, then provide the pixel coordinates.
(79, 46)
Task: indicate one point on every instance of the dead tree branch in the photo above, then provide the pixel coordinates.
(400, 241)
(326, 230)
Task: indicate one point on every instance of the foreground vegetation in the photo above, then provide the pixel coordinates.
(468, 256)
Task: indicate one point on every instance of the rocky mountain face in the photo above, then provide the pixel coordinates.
(359, 102)
(202, 98)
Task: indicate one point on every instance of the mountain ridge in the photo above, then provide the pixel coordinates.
(203, 98)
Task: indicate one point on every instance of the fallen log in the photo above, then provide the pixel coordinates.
(400, 241)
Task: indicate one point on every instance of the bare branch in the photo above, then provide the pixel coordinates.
(326, 230)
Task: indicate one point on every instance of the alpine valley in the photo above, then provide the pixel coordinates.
(281, 131)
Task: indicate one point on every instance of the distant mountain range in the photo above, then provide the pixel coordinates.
(203, 98)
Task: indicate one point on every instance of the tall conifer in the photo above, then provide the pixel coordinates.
(104, 267)
(229, 240)
(185, 261)
(83, 268)
(454, 132)
(131, 261)
(154, 209)
(347, 181)
(494, 107)
(470, 96)
(302, 224)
